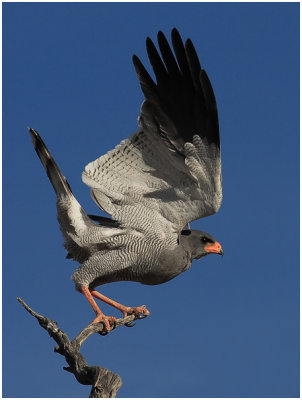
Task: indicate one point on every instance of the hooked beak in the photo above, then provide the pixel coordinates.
(214, 248)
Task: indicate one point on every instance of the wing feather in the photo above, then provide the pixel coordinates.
(169, 172)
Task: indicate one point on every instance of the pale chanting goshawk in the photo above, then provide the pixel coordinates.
(153, 184)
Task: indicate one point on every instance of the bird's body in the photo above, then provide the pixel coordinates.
(134, 258)
(152, 184)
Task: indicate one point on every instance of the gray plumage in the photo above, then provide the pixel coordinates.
(152, 184)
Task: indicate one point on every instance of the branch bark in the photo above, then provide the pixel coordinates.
(104, 382)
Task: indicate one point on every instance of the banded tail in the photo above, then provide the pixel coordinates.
(58, 181)
(74, 223)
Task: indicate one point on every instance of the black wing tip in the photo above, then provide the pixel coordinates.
(204, 75)
(189, 43)
(190, 48)
(135, 59)
(150, 45)
(182, 64)
(138, 65)
(161, 36)
(175, 36)
(175, 32)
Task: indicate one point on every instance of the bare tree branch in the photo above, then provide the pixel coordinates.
(104, 382)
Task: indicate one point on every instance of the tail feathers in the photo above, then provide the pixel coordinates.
(58, 181)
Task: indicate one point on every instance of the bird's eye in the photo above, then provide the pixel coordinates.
(204, 239)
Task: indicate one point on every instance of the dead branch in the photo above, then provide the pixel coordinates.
(104, 382)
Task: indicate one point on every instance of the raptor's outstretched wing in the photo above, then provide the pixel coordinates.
(169, 172)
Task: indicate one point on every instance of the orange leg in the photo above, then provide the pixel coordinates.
(125, 310)
(100, 317)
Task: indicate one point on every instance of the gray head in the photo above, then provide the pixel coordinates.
(199, 243)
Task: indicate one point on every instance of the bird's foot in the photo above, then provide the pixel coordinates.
(140, 312)
(108, 322)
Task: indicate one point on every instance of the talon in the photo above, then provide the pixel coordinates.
(107, 322)
(142, 316)
(113, 324)
(140, 312)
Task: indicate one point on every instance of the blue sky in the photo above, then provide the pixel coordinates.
(229, 327)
